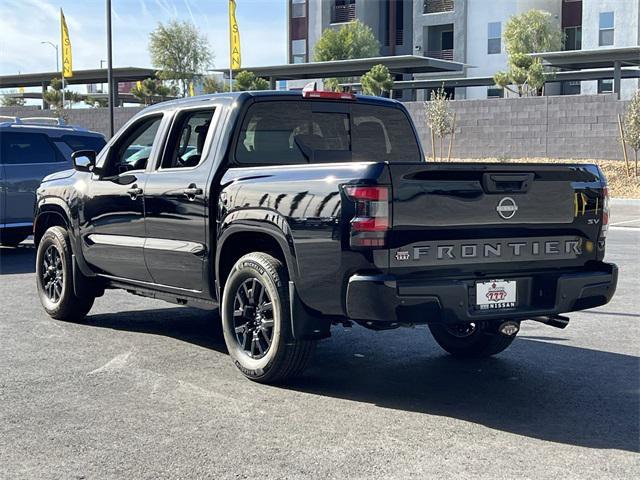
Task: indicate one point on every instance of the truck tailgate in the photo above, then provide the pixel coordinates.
(471, 214)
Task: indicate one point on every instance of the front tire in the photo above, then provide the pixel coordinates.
(256, 321)
(469, 340)
(54, 273)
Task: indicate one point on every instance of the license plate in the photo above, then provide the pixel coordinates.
(496, 294)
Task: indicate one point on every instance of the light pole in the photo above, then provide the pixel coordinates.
(110, 69)
(102, 84)
(57, 56)
(57, 68)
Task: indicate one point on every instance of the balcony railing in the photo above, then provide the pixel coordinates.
(344, 13)
(438, 6)
(440, 54)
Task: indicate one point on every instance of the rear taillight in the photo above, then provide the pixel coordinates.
(605, 213)
(371, 220)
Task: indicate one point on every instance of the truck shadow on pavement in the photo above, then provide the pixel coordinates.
(17, 260)
(542, 390)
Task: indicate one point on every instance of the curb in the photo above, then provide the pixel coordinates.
(624, 201)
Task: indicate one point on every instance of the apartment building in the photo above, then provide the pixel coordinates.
(469, 31)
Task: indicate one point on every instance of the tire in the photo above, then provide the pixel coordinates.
(255, 321)
(478, 343)
(54, 274)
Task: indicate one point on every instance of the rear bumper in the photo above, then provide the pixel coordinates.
(384, 298)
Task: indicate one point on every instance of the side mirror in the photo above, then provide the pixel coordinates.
(84, 160)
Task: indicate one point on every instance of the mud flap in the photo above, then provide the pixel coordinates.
(82, 285)
(305, 325)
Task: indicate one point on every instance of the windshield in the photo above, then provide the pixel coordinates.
(287, 132)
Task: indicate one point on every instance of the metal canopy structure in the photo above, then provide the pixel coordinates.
(400, 64)
(83, 77)
(594, 58)
(453, 82)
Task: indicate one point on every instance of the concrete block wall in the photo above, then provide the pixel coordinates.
(576, 126)
(95, 119)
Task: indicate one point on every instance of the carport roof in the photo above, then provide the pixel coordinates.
(98, 75)
(400, 64)
(594, 58)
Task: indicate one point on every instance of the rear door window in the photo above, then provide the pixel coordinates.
(284, 133)
(20, 148)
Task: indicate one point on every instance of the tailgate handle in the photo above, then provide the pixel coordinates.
(506, 183)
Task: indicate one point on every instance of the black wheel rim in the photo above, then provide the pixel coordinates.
(253, 318)
(52, 276)
(462, 330)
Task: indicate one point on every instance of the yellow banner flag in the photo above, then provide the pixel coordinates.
(234, 37)
(67, 64)
(191, 92)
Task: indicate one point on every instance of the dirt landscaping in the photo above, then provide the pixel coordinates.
(620, 185)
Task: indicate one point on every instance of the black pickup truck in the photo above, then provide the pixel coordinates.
(294, 211)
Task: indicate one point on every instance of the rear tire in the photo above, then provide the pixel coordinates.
(256, 321)
(54, 274)
(469, 340)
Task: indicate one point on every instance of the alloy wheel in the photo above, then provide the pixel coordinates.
(253, 318)
(52, 276)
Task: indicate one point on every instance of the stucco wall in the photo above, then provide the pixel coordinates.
(580, 126)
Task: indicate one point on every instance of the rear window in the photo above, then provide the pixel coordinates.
(84, 142)
(23, 148)
(286, 133)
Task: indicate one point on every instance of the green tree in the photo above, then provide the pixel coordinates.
(439, 118)
(96, 102)
(246, 80)
(54, 95)
(180, 52)
(151, 91)
(530, 32)
(212, 85)
(632, 126)
(9, 101)
(377, 81)
(353, 40)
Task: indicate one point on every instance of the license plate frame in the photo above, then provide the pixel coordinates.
(496, 294)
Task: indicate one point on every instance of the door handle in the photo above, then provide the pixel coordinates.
(134, 191)
(191, 192)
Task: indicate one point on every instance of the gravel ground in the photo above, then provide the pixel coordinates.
(144, 389)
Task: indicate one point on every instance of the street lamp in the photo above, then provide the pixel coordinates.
(57, 68)
(57, 56)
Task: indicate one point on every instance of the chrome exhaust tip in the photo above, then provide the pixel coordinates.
(509, 328)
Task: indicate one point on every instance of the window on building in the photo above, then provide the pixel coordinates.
(570, 88)
(573, 38)
(605, 86)
(494, 39)
(299, 50)
(606, 29)
(437, 6)
(344, 11)
(298, 8)
(495, 92)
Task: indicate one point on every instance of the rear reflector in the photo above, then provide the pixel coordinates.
(372, 219)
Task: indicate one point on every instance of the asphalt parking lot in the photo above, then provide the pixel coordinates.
(144, 389)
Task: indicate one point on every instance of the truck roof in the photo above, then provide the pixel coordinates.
(230, 97)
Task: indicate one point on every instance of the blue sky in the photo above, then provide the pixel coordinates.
(25, 23)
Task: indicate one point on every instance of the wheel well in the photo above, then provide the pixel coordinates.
(46, 220)
(239, 244)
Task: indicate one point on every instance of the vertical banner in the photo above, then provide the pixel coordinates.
(67, 64)
(234, 38)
